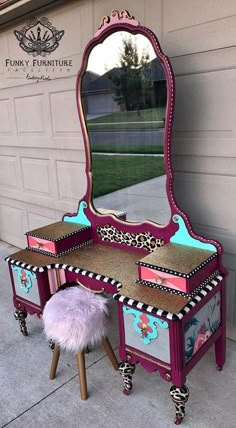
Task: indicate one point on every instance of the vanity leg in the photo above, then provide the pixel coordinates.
(20, 315)
(127, 370)
(180, 396)
(220, 344)
(220, 349)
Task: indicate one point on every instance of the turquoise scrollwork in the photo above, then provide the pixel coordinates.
(80, 217)
(182, 236)
(24, 277)
(145, 325)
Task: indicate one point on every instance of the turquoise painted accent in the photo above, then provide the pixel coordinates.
(28, 275)
(152, 323)
(80, 217)
(182, 236)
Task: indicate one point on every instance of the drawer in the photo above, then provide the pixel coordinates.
(58, 238)
(178, 267)
(163, 278)
(41, 244)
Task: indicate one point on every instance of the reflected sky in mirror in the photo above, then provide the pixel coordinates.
(124, 102)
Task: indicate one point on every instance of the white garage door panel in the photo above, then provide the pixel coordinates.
(198, 98)
(206, 198)
(5, 116)
(71, 180)
(36, 175)
(29, 114)
(13, 222)
(8, 171)
(64, 117)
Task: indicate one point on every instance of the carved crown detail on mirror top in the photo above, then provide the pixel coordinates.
(125, 97)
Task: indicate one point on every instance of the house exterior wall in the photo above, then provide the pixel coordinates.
(41, 147)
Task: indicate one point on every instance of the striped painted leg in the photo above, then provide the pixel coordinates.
(180, 396)
(127, 370)
(21, 315)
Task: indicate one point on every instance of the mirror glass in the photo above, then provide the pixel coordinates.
(124, 104)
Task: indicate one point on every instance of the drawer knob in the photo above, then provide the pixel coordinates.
(144, 331)
(37, 245)
(159, 280)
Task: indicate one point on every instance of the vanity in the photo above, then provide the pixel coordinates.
(169, 283)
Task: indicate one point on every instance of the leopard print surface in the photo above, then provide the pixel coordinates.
(127, 370)
(140, 240)
(180, 396)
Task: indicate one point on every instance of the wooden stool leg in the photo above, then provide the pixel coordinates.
(82, 375)
(55, 359)
(110, 353)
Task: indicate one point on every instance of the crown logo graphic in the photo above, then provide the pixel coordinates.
(39, 37)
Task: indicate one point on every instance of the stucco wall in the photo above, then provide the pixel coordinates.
(41, 147)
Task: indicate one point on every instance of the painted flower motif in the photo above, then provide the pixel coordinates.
(23, 278)
(203, 329)
(200, 340)
(143, 325)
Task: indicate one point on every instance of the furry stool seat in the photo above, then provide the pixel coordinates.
(75, 318)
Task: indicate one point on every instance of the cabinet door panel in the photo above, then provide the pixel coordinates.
(147, 333)
(26, 284)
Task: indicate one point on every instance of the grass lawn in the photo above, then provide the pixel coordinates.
(146, 119)
(119, 148)
(112, 173)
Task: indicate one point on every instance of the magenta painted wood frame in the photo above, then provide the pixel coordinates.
(117, 22)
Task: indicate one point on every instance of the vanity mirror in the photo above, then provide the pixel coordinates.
(125, 87)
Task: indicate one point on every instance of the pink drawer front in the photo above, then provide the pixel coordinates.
(41, 244)
(163, 278)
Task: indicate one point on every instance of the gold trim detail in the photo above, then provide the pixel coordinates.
(148, 359)
(117, 17)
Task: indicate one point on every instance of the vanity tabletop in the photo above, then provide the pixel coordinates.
(107, 261)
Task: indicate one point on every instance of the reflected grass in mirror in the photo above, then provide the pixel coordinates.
(113, 173)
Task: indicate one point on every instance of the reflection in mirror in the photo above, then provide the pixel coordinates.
(124, 101)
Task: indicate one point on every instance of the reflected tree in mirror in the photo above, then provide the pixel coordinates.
(124, 102)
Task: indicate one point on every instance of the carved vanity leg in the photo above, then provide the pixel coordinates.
(20, 315)
(127, 370)
(180, 396)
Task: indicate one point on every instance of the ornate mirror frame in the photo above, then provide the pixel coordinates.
(147, 235)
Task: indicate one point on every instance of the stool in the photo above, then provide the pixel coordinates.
(75, 318)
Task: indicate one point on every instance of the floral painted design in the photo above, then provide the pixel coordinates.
(24, 277)
(199, 328)
(145, 325)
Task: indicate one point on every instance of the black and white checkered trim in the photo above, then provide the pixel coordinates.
(63, 253)
(206, 288)
(173, 272)
(70, 268)
(57, 239)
